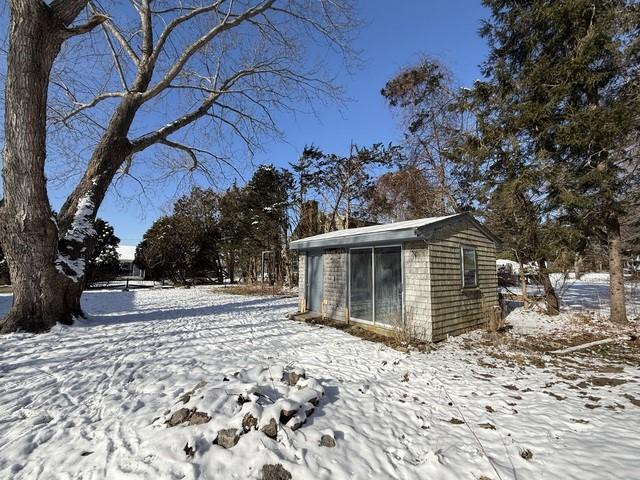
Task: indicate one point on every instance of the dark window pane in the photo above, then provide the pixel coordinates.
(469, 269)
(388, 285)
(361, 284)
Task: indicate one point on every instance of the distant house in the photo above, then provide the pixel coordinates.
(128, 268)
(436, 276)
(508, 266)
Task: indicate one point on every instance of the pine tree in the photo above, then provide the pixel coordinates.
(265, 207)
(564, 79)
(104, 262)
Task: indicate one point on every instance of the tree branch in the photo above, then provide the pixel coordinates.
(93, 22)
(175, 23)
(193, 151)
(147, 29)
(225, 25)
(147, 140)
(116, 58)
(111, 27)
(184, 148)
(91, 104)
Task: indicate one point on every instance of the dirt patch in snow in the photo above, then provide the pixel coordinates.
(257, 290)
(366, 333)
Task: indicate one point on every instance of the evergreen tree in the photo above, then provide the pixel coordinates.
(202, 209)
(233, 229)
(563, 76)
(170, 248)
(104, 262)
(265, 207)
(306, 178)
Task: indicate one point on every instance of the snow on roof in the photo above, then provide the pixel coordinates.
(126, 252)
(353, 234)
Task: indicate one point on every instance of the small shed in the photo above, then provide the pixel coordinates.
(435, 276)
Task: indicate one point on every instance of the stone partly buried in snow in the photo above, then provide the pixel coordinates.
(263, 399)
(327, 440)
(292, 376)
(271, 429)
(186, 415)
(227, 438)
(275, 472)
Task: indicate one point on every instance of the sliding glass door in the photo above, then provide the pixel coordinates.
(388, 285)
(361, 278)
(376, 285)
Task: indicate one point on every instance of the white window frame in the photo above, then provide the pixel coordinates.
(462, 269)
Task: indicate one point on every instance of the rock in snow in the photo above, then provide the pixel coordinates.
(327, 440)
(275, 472)
(259, 398)
(271, 429)
(227, 438)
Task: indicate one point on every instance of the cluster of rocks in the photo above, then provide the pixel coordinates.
(263, 399)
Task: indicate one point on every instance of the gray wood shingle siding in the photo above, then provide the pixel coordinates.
(454, 309)
(335, 283)
(302, 282)
(417, 287)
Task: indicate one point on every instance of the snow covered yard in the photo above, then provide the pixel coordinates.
(83, 402)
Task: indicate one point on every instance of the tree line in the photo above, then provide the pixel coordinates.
(217, 236)
(544, 146)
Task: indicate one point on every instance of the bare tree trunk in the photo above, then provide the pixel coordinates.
(616, 271)
(43, 295)
(523, 287)
(577, 266)
(550, 296)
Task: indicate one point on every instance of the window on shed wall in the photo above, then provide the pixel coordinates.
(469, 269)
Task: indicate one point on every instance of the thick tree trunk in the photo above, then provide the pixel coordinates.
(30, 234)
(616, 271)
(550, 296)
(46, 265)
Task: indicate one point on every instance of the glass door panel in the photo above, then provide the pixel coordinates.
(361, 282)
(388, 285)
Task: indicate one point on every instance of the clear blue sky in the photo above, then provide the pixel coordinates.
(395, 34)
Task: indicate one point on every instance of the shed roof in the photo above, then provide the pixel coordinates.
(388, 233)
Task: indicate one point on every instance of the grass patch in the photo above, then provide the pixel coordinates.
(370, 333)
(257, 290)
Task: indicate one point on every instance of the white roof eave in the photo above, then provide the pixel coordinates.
(356, 240)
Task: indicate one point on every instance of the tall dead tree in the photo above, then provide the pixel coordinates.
(231, 63)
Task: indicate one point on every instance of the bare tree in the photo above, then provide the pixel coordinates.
(225, 65)
(424, 95)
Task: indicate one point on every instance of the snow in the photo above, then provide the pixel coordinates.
(81, 227)
(89, 401)
(589, 295)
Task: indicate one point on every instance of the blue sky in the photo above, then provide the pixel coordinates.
(394, 35)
